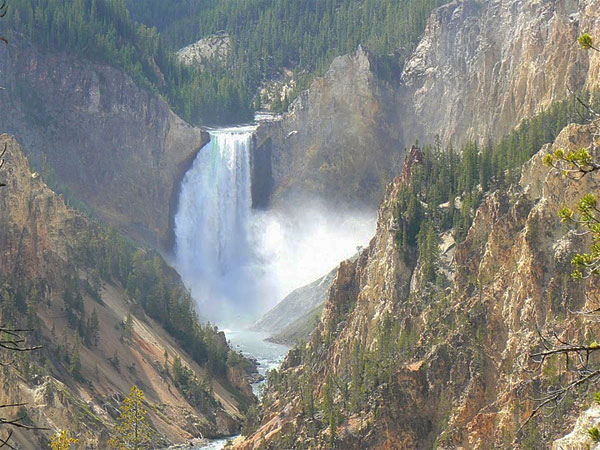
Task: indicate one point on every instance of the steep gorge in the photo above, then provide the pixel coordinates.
(480, 68)
(53, 281)
(456, 372)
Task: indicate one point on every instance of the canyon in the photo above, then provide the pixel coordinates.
(47, 249)
(457, 375)
(461, 375)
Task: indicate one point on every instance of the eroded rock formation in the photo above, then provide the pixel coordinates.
(458, 373)
(211, 48)
(114, 146)
(480, 68)
(483, 66)
(339, 140)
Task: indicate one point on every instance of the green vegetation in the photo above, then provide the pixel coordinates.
(577, 164)
(251, 421)
(594, 432)
(140, 36)
(133, 430)
(446, 189)
(75, 361)
(586, 42)
(269, 35)
(62, 440)
(107, 256)
(429, 251)
(103, 31)
(198, 392)
(148, 282)
(356, 387)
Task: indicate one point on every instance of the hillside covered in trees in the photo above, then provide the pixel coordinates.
(268, 36)
(102, 314)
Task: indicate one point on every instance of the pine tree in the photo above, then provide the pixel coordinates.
(128, 328)
(93, 328)
(75, 361)
(429, 252)
(133, 431)
(177, 369)
(166, 366)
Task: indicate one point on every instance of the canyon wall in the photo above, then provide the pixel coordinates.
(396, 363)
(483, 66)
(49, 261)
(339, 139)
(116, 147)
(480, 68)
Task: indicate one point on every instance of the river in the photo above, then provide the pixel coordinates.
(238, 262)
(267, 354)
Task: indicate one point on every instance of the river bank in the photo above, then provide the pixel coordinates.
(268, 356)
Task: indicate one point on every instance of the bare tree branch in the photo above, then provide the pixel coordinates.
(3, 11)
(15, 341)
(12, 406)
(559, 394)
(4, 442)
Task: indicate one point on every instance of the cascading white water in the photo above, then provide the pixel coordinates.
(238, 262)
(211, 225)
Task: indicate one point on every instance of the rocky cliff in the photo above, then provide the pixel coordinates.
(399, 364)
(47, 248)
(214, 47)
(114, 146)
(483, 66)
(480, 68)
(339, 140)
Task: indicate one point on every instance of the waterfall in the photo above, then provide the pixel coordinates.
(239, 262)
(213, 251)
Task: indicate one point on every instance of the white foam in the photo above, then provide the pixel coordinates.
(239, 262)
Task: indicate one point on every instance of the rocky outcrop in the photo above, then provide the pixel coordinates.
(480, 68)
(579, 438)
(339, 140)
(483, 66)
(299, 330)
(114, 146)
(296, 304)
(395, 366)
(211, 48)
(46, 248)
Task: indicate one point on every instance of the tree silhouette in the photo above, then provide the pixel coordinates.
(2, 152)
(13, 340)
(3, 10)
